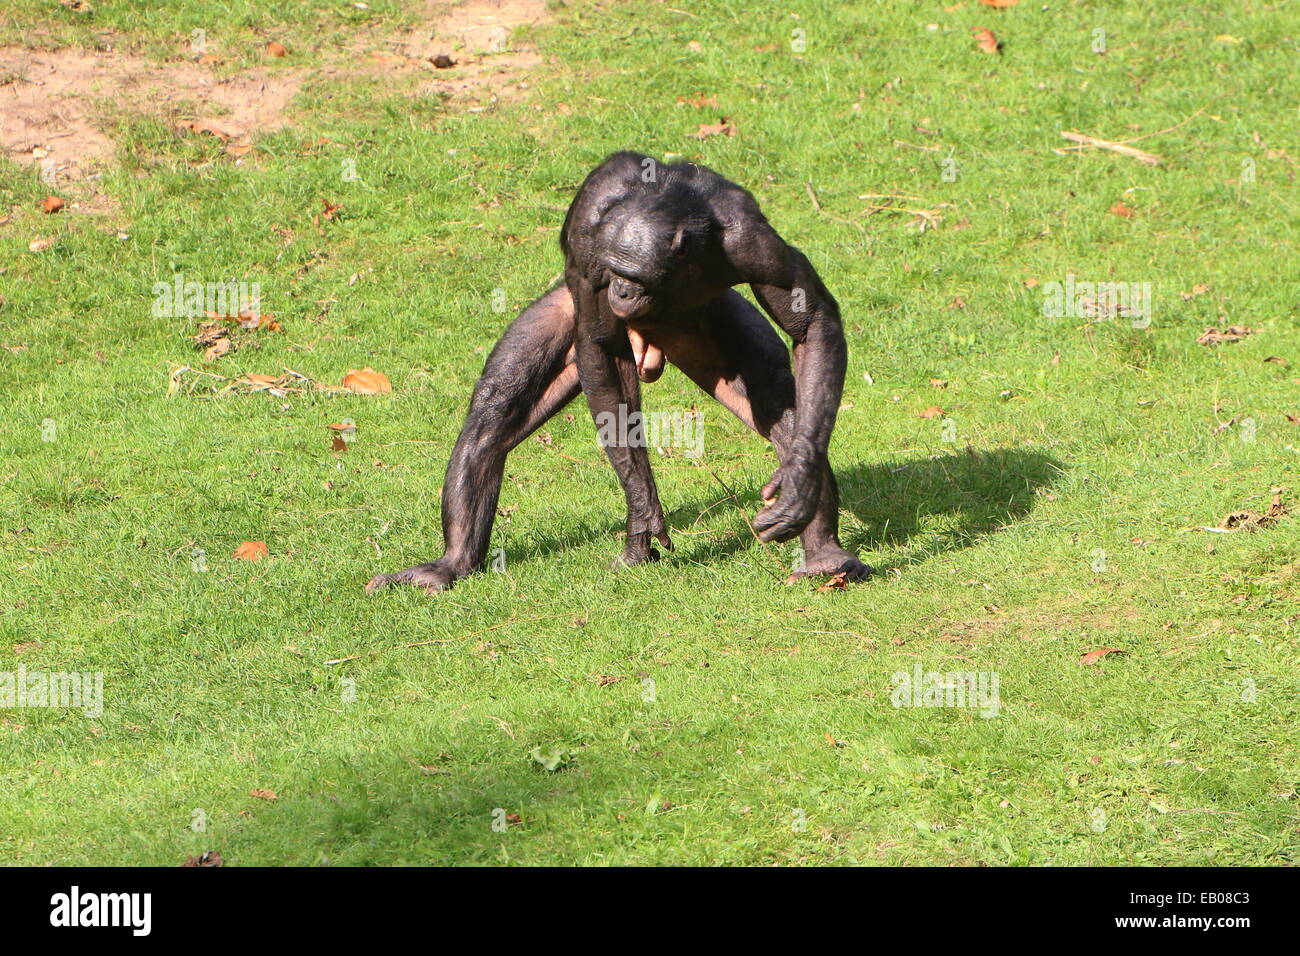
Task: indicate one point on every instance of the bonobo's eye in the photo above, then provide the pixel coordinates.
(681, 243)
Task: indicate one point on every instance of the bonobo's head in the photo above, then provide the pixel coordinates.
(647, 251)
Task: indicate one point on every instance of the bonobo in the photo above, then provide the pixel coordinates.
(651, 253)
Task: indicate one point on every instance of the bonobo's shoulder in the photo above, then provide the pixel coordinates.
(730, 204)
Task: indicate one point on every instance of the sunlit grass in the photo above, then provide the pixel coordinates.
(707, 713)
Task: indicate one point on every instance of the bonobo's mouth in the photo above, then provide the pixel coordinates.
(628, 299)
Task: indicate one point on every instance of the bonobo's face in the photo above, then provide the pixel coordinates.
(643, 256)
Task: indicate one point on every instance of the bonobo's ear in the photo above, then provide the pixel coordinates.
(681, 242)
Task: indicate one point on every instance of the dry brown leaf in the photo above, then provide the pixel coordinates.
(1199, 289)
(214, 340)
(1277, 360)
(209, 332)
(263, 794)
(934, 411)
(252, 551)
(247, 320)
(217, 349)
(39, 245)
(836, 582)
(328, 213)
(1253, 521)
(367, 381)
(1093, 657)
(258, 320)
(51, 204)
(722, 127)
(999, 4)
(699, 101)
(1122, 209)
(1233, 333)
(222, 131)
(986, 40)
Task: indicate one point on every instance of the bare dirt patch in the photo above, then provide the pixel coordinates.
(477, 36)
(51, 102)
(49, 109)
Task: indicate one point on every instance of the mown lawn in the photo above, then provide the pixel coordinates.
(698, 711)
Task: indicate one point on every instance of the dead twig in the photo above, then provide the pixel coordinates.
(817, 207)
(745, 517)
(928, 149)
(1140, 155)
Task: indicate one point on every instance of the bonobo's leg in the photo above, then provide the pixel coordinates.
(608, 374)
(736, 356)
(529, 376)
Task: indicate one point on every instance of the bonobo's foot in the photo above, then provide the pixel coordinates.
(432, 577)
(639, 550)
(832, 560)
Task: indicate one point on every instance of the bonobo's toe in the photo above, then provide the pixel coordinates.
(832, 561)
(631, 557)
(431, 577)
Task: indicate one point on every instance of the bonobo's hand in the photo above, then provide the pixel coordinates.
(798, 485)
(638, 549)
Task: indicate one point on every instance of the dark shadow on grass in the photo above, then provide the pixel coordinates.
(379, 810)
(980, 491)
(890, 504)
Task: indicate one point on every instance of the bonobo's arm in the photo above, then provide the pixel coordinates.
(606, 368)
(791, 292)
(608, 376)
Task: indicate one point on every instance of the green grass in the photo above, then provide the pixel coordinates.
(1049, 511)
